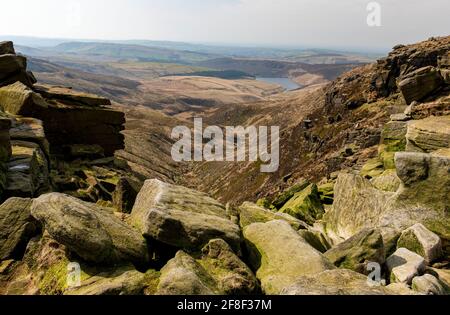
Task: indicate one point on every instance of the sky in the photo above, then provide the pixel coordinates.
(271, 23)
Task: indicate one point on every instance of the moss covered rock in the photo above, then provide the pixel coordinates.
(422, 241)
(183, 275)
(17, 227)
(94, 233)
(232, 276)
(358, 251)
(285, 196)
(305, 205)
(250, 213)
(280, 255)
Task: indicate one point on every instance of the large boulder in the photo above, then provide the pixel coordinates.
(280, 255)
(92, 232)
(232, 276)
(335, 282)
(305, 205)
(428, 135)
(404, 265)
(183, 275)
(357, 206)
(422, 241)
(358, 251)
(181, 217)
(250, 213)
(420, 83)
(17, 227)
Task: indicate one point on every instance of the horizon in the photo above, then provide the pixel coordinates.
(289, 24)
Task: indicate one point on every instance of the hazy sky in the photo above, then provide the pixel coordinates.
(312, 23)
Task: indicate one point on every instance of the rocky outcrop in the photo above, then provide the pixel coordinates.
(92, 232)
(181, 217)
(422, 198)
(86, 119)
(281, 256)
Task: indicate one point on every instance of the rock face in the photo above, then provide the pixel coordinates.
(404, 265)
(17, 227)
(418, 84)
(250, 213)
(428, 135)
(422, 241)
(305, 205)
(280, 255)
(335, 282)
(358, 251)
(92, 232)
(181, 217)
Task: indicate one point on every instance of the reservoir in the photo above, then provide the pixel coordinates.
(287, 83)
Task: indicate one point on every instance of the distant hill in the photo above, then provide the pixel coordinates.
(130, 52)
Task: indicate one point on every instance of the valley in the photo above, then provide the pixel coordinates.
(88, 179)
